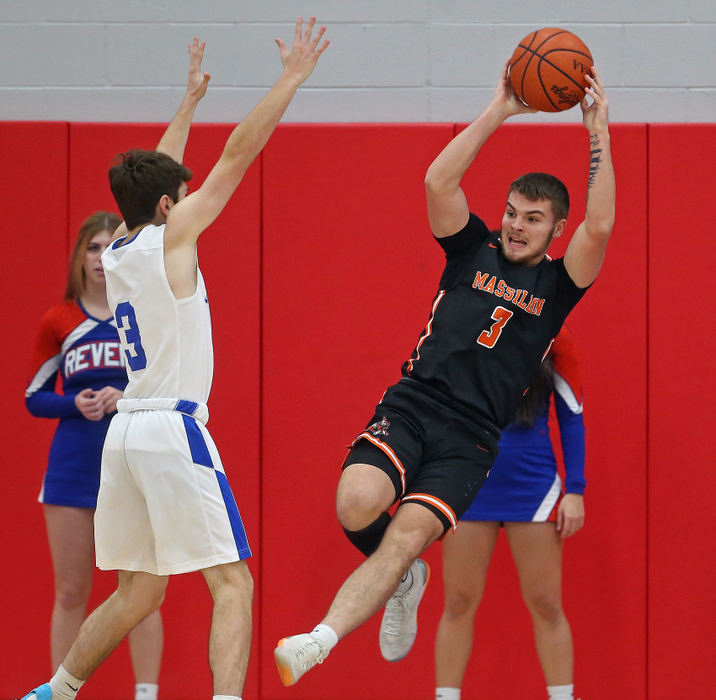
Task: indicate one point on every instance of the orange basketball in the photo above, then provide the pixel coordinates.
(548, 68)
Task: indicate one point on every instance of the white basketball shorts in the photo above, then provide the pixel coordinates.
(164, 503)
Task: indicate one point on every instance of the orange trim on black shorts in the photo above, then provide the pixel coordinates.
(434, 501)
(389, 453)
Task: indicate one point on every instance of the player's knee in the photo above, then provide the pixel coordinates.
(139, 604)
(364, 492)
(245, 583)
(355, 509)
(155, 600)
(237, 591)
(368, 539)
(149, 596)
(230, 582)
(141, 594)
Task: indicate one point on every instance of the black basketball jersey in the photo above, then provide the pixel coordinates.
(491, 324)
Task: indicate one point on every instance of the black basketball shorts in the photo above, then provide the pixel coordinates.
(433, 455)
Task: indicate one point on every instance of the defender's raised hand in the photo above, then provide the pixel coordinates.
(174, 139)
(301, 59)
(197, 81)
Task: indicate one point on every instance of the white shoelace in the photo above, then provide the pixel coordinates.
(304, 656)
(397, 612)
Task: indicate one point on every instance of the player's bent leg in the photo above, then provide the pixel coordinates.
(365, 591)
(138, 594)
(231, 587)
(412, 530)
(466, 557)
(537, 552)
(365, 492)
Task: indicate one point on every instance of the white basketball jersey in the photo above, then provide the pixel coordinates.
(166, 341)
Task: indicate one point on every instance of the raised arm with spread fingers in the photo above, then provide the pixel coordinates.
(175, 137)
(173, 141)
(193, 214)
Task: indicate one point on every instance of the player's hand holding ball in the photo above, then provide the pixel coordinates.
(506, 99)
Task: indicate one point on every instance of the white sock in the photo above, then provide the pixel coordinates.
(226, 697)
(447, 693)
(561, 692)
(406, 583)
(327, 635)
(146, 691)
(64, 685)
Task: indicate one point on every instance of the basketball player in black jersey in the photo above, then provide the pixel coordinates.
(434, 435)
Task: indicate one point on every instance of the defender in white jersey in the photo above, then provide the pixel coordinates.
(164, 505)
(167, 341)
(158, 441)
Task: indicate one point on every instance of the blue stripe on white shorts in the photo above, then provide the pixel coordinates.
(200, 455)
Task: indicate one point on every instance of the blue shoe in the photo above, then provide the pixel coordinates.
(42, 692)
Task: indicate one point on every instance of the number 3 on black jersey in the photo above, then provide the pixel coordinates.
(131, 338)
(500, 316)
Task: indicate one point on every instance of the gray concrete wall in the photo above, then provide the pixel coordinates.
(390, 60)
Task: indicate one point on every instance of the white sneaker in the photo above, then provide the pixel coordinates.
(400, 620)
(297, 654)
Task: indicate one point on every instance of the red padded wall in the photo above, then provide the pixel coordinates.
(345, 277)
(33, 200)
(682, 481)
(350, 270)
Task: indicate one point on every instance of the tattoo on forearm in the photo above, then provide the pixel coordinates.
(595, 158)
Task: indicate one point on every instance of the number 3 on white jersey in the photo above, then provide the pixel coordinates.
(130, 336)
(500, 316)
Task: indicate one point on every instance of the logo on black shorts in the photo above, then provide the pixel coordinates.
(380, 428)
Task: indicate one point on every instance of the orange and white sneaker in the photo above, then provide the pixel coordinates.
(400, 620)
(297, 654)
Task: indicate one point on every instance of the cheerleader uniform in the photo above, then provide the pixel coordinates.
(523, 485)
(86, 353)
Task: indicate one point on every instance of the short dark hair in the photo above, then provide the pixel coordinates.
(544, 186)
(139, 179)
